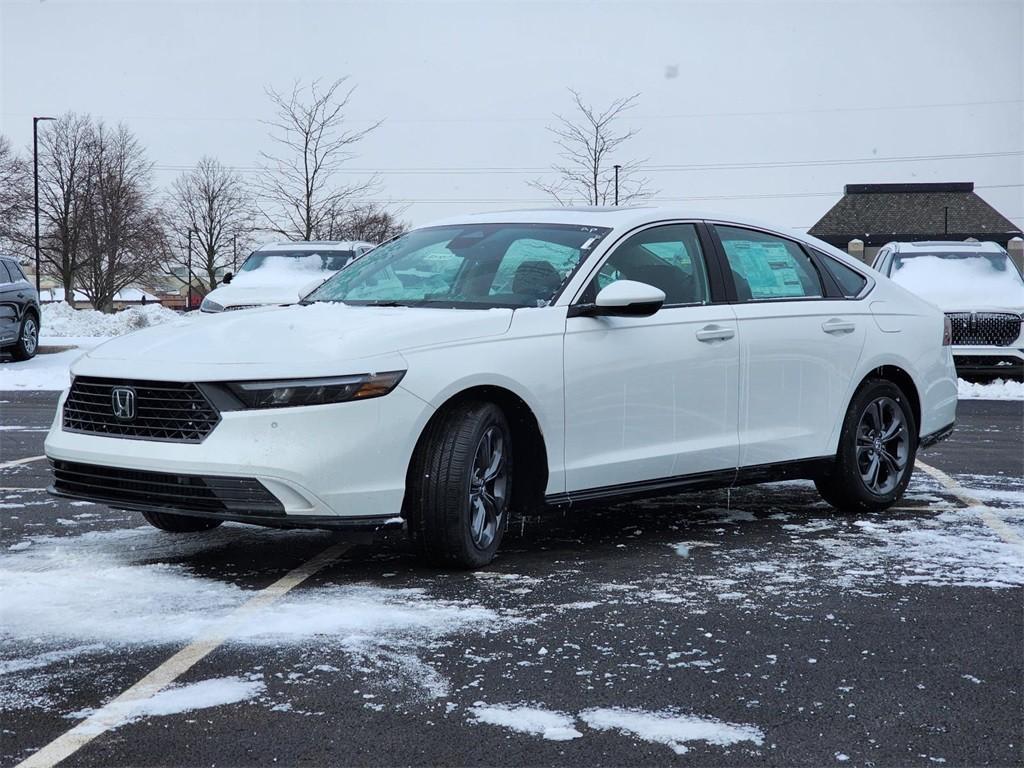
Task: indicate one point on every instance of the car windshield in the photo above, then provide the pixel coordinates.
(466, 266)
(311, 260)
(950, 278)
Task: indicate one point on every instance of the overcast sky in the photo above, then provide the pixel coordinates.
(467, 89)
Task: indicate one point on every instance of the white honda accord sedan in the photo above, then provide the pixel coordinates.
(502, 363)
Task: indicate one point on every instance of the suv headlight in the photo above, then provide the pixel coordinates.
(294, 392)
(210, 306)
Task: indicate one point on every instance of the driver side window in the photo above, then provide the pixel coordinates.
(667, 257)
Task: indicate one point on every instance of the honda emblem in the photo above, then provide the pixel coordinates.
(122, 399)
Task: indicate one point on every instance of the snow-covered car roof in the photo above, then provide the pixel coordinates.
(947, 246)
(314, 245)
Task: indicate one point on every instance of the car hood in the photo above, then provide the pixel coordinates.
(255, 294)
(315, 340)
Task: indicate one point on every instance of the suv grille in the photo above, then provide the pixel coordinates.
(999, 329)
(161, 490)
(161, 410)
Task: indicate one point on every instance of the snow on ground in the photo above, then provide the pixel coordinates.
(62, 320)
(1000, 389)
(554, 726)
(123, 589)
(46, 371)
(178, 699)
(671, 729)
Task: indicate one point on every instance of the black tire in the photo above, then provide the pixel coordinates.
(28, 338)
(848, 486)
(167, 521)
(457, 510)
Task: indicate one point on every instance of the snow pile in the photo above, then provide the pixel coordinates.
(554, 726)
(176, 700)
(1000, 389)
(672, 730)
(966, 283)
(63, 320)
(43, 372)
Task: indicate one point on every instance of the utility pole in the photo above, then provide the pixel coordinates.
(617, 184)
(188, 306)
(35, 166)
(234, 258)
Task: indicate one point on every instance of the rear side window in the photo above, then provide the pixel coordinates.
(5, 274)
(766, 267)
(851, 282)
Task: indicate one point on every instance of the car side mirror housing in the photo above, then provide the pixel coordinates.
(623, 298)
(228, 277)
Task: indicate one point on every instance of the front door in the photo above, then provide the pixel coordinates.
(649, 398)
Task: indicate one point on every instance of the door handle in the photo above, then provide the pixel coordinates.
(711, 333)
(835, 325)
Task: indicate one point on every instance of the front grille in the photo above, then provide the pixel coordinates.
(162, 490)
(164, 410)
(998, 329)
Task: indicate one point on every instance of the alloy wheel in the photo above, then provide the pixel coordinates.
(487, 488)
(30, 335)
(883, 445)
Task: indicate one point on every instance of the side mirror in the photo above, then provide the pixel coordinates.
(623, 298)
(228, 277)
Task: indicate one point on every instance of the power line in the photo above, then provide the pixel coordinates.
(663, 168)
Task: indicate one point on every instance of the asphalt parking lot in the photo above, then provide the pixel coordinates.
(722, 628)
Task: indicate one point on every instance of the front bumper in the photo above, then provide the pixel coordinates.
(989, 361)
(325, 466)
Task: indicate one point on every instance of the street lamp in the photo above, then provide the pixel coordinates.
(35, 166)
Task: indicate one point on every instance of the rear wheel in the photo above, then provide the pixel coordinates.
(876, 451)
(167, 521)
(459, 486)
(28, 340)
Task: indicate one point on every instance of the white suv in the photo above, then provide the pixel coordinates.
(282, 273)
(980, 289)
(508, 362)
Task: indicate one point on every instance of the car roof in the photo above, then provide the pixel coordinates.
(951, 246)
(307, 245)
(628, 217)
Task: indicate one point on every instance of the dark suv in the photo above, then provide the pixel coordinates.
(19, 312)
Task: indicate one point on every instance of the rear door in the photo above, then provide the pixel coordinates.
(9, 303)
(652, 398)
(800, 341)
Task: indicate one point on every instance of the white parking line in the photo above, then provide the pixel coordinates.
(16, 462)
(1006, 533)
(117, 710)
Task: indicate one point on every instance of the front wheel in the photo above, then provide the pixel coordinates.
(459, 486)
(877, 447)
(167, 521)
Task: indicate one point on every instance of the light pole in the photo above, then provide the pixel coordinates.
(188, 305)
(234, 258)
(35, 172)
(617, 183)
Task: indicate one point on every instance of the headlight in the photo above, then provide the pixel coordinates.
(210, 306)
(282, 394)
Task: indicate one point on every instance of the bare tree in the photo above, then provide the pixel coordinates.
(300, 192)
(63, 178)
(212, 202)
(370, 221)
(588, 142)
(15, 195)
(122, 233)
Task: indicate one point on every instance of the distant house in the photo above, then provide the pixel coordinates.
(876, 214)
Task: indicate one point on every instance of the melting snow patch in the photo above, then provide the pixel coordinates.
(555, 726)
(672, 730)
(181, 698)
(1000, 389)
